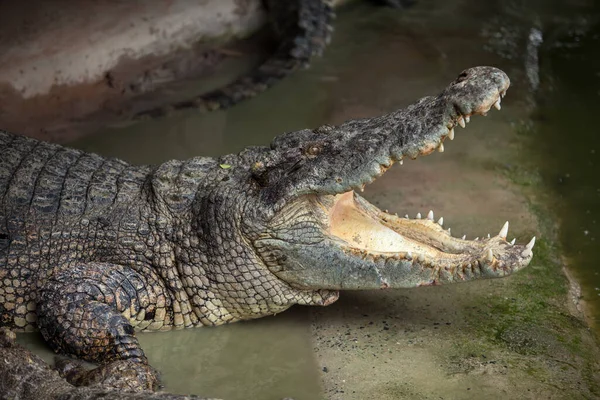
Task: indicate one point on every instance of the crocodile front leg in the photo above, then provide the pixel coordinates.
(89, 312)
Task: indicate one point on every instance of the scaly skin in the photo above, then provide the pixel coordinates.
(92, 249)
(25, 376)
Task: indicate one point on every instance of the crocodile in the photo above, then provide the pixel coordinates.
(93, 249)
(303, 28)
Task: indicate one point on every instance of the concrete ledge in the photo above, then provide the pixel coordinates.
(63, 42)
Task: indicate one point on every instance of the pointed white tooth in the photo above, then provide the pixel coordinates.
(409, 255)
(449, 231)
(477, 238)
(386, 211)
(430, 215)
(461, 122)
(451, 134)
(395, 214)
(468, 118)
(418, 215)
(489, 236)
(401, 162)
(526, 253)
(504, 230)
(497, 104)
(441, 148)
(531, 243)
(489, 255)
(513, 241)
(406, 216)
(441, 221)
(464, 237)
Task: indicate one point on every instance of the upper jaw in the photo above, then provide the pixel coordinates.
(423, 127)
(336, 159)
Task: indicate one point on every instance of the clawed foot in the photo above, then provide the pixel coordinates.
(122, 374)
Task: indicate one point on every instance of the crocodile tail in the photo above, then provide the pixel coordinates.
(305, 29)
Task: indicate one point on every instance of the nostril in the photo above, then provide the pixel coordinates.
(463, 75)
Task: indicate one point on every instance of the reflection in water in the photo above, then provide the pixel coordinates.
(380, 60)
(567, 132)
(532, 60)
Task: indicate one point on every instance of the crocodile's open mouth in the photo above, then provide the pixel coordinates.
(329, 237)
(367, 232)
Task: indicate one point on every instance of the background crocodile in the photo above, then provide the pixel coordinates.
(92, 249)
(303, 28)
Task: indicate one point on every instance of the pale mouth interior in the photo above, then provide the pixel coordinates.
(371, 230)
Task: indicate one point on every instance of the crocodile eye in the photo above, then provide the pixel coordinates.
(313, 150)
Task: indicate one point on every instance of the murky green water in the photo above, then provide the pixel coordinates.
(380, 60)
(566, 122)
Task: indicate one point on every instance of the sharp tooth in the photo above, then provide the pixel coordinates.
(513, 241)
(451, 134)
(441, 221)
(489, 256)
(467, 118)
(449, 231)
(401, 162)
(395, 214)
(406, 216)
(408, 255)
(497, 104)
(489, 236)
(461, 122)
(526, 253)
(464, 237)
(504, 231)
(418, 215)
(441, 148)
(430, 215)
(477, 238)
(531, 243)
